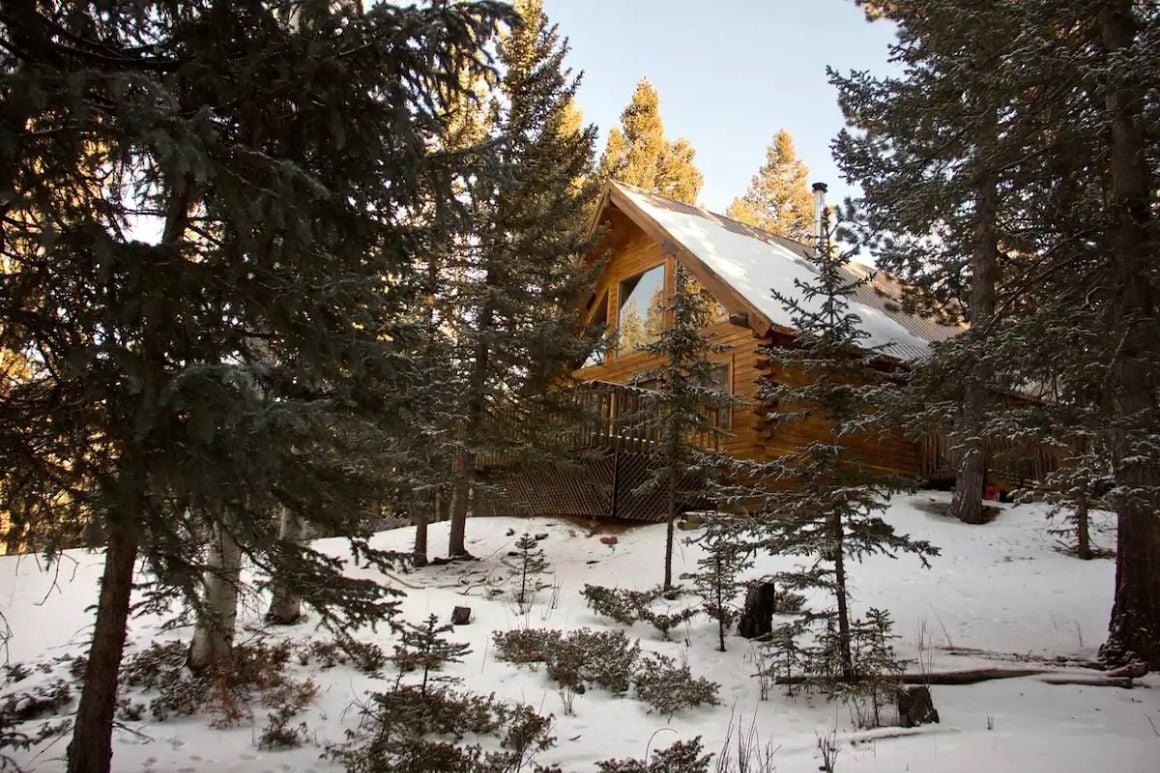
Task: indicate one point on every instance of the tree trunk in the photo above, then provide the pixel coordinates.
(1134, 628)
(967, 502)
(285, 603)
(421, 518)
(838, 539)
(91, 749)
(670, 522)
(719, 593)
(456, 542)
(757, 615)
(1083, 545)
(213, 638)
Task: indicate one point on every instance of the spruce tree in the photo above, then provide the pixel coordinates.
(1075, 322)
(779, 199)
(932, 151)
(189, 214)
(638, 153)
(515, 331)
(683, 407)
(819, 501)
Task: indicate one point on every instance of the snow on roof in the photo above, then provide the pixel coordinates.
(754, 263)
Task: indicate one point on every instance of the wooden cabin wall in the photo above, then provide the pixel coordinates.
(890, 453)
(633, 252)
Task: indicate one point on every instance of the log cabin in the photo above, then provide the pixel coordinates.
(643, 237)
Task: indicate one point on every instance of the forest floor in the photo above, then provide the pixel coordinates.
(999, 595)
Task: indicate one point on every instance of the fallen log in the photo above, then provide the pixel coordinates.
(972, 676)
(975, 676)
(1123, 682)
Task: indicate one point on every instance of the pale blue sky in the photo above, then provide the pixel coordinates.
(729, 73)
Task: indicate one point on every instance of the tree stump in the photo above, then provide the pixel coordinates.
(915, 706)
(461, 615)
(757, 614)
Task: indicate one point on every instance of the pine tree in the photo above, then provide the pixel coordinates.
(952, 234)
(683, 406)
(779, 199)
(716, 578)
(819, 501)
(639, 154)
(515, 330)
(531, 566)
(273, 165)
(423, 648)
(1075, 323)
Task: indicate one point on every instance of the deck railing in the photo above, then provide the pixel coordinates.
(616, 417)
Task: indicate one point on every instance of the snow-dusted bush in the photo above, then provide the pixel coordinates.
(630, 606)
(681, 757)
(581, 658)
(669, 688)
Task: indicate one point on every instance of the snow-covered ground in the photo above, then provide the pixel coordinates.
(1000, 592)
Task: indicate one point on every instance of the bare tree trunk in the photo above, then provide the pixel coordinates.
(213, 637)
(1134, 628)
(421, 517)
(456, 542)
(1083, 545)
(91, 749)
(967, 502)
(839, 557)
(286, 604)
(669, 534)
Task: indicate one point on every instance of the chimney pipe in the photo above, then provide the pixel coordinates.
(819, 216)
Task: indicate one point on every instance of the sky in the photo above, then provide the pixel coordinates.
(730, 73)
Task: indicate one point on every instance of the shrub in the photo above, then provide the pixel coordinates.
(408, 729)
(366, 657)
(670, 688)
(279, 734)
(529, 645)
(681, 757)
(630, 606)
(604, 658)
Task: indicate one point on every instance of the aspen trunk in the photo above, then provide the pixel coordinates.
(286, 604)
(1134, 628)
(91, 750)
(213, 637)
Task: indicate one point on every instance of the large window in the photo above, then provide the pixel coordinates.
(642, 310)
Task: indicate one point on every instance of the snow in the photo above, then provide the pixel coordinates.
(754, 267)
(1000, 594)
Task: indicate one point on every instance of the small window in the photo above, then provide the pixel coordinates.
(722, 381)
(599, 320)
(641, 317)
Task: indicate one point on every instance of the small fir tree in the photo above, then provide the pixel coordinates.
(716, 579)
(532, 564)
(820, 501)
(685, 406)
(423, 648)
